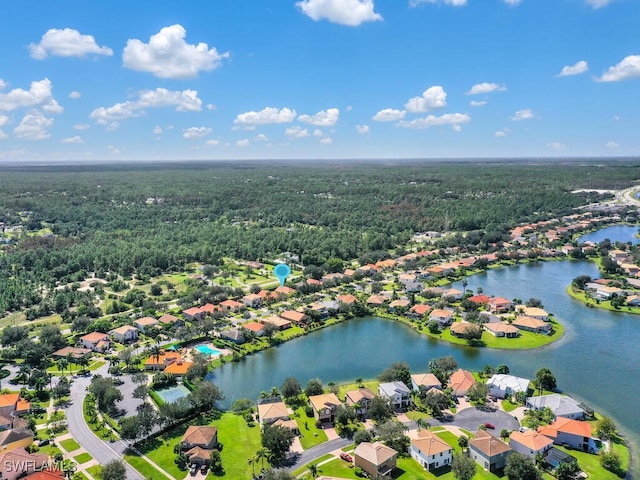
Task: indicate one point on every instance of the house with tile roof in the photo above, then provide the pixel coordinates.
(199, 436)
(252, 300)
(460, 382)
(501, 329)
(397, 392)
(530, 443)
(178, 368)
(255, 327)
(347, 299)
(423, 382)
(161, 361)
(534, 312)
(14, 439)
(419, 310)
(22, 463)
(574, 433)
(360, 399)
(443, 317)
(95, 341)
(278, 322)
(430, 451)
(464, 329)
(489, 452)
(324, 406)
(231, 305)
(124, 334)
(13, 404)
(502, 386)
(272, 409)
(530, 324)
(561, 405)
(376, 459)
(168, 319)
(145, 323)
(295, 317)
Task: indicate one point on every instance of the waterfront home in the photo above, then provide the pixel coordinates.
(603, 292)
(179, 368)
(124, 334)
(324, 406)
(453, 293)
(480, 299)
(376, 459)
(360, 399)
(255, 327)
(531, 324)
(574, 433)
(419, 310)
(489, 452)
(95, 341)
(460, 382)
(502, 386)
(377, 300)
(465, 329)
(145, 323)
(561, 405)
(534, 312)
(199, 436)
(233, 334)
(272, 409)
(633, 300)
(423, 382)
(295, 317)
(162, 360)
(397, 392)
(501, 329)
(530, 443)
(443, 317)
(346, 299)
(278, 322)
(399, 305)
(252, 300)
(430, 451)
(500, 304)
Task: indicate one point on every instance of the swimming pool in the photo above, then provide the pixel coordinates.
(207, 350)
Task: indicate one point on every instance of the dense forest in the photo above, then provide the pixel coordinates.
(149, 219)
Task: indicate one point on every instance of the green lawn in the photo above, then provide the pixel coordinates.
(96, 471)
(603, 304)
(69, 445)
(234, 453)
(82, 458)
(80, 476)
(305, 468)
(509, 406)
(310, 435)
(590, 464)
(94, 365)
(346, 387)
(415, 415)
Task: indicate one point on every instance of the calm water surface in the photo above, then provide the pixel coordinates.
(597, 361)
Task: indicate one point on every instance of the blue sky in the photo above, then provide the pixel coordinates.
(236, 79)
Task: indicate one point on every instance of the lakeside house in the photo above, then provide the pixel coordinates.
(530, 443)
(465, 329)
(574, 433)
(501, 329)
(561, 405)
(503, 386)
(273, 409)
(430, 451)
(460, 382)
(376, 459)
(360, 399)
(423, 382)
(397, 392)
(530, 324)
(443, 317)
(489, 452)
(324, 406)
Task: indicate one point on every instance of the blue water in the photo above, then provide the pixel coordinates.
(617, 233)
(207, 350)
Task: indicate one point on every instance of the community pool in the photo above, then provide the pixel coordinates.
(171, 394)
(207, 350)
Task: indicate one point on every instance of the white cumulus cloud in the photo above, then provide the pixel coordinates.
(389, 115)
(3, 120)
(196, 132)
(167, 55)
(362, 129)
(524, 114)
(261, 137)
(183, 101)
(345, 12)
(75, 139)
(297, 132)
(432, 97)
(242, 143)
(557, 146)
(576, 69)
(478, 103)
(66, 42)
(212, 142)
(327, 141)
(38, 95)
(628, 68)
(454, 119)
(611, 144)
(454, 3)
(598, 3)
(34, 126)
(157, 130)
(81, 126)
(324, 118)
(75, 95)
(485, 87)
(502, 133)
(266, 116)
(318, 133)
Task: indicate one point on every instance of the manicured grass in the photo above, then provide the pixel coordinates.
(143, 467)
(80, 475)
(69, 445)
(415, 415)
(95, 471)
(581, 296)
(310, 435)
(305, 468)
(234, 453)
(94, 365)
(82, 458)
(337, 468)
(509, 406)
(451, 439)
(590, 463)
(347, 387)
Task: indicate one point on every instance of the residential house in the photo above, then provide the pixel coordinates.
(15, 438)
(376, 459)
(193, 313)
(409, 287)
(430, 451)
(179, 368)
(283, 290)
(574, 433)
(46, 475)
(534, 312)
(324, 406)
(463, 329)
(346, 299)
(145, 323)
(460, 382)
(13, 404)
(386, 264)
(360, 399)
(419, 310)
(198, 456)
(397, 392)
(255, 327)
(124, 334)
(530, 443)
(295, 317)
(377, 300)
(73, 352)
(500, 304)
(199, 436)
(231, 305)
(503, 386)
(501, 329)
(489, 452)
(453, 293)
(95, 341)
(399, 305)
(272, 409)
(233, 334)
(278, 322)
(479, 299)
(443, 317)
(633, 300)
(168, 319)
(252, 300)
(21, 462)
(604, 292)
(162, 360)
(319, 308)
(561, 405)
(423, 382)
(531, 324)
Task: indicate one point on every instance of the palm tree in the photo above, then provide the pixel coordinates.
(62, 363)
(261, 455)
(423, 424)
(83, 361)
(70, 360)
(155, 352)
(274, 392)
(313, 469)
(359, 382)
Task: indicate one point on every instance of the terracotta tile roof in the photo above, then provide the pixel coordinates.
(420, 309)
(146, 321)
(462, 328)
(168, 318)
(426, 380)
(376, 300)
(461, 381)
(164, 358)
(123, 329)
(73, 351)
(294, 316)
(199, 435)
(488, 445)
(285, 290)
(479, 299)
(94, 337)
(500, 327)
(430, 444)
(253, 326)
(198, 454)
(231, 304)
(178, 368)
(438, 312)
(46, 475)
(9, 399)
(269, 411)
(277, 321)
(361, 394)
(566, 425)
(531, 439)
(375, 453)
(324, 400)
(348, 299)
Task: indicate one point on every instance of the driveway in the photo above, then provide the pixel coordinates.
(471, 418)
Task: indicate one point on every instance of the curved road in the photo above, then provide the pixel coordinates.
(99, 449)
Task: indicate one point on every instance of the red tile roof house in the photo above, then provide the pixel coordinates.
(530, 443)
(419, 310)
(347, 299)
(500, 304)
(21, 463)
(284, 290)
(95, 341)
(324, 406)
(488, 451)
(430, 451)
(460, 382)
(168, 319)
(13, 404)
(423, 382)
(443, 317)
(231, 305)
(377, 300)
(199, 436)
(575, 433)
(295, 317)
(479, 299)
(360, 399)
(255, 327)
(278, 322)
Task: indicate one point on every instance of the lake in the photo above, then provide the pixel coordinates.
(597, 361)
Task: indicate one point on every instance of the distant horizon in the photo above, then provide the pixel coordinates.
(318, 79)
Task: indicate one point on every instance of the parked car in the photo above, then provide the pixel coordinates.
(346, 457)
(490, 425)
(194, 470)
(203, 469)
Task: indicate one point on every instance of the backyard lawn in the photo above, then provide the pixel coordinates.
(310, 434)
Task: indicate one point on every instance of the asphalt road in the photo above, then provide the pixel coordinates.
(102, 451)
